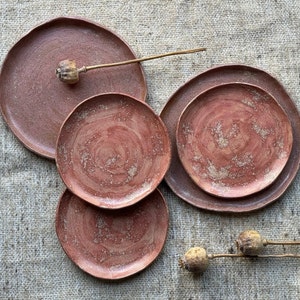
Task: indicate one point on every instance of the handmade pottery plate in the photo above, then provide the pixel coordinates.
(112, 244)
(34, 103)
(234, 140)
(177, 178)
(113, 150)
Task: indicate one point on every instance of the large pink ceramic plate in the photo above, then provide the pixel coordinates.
(234, 140)
(113, 150)
(34, 103)
(112, 244)
(177, 178)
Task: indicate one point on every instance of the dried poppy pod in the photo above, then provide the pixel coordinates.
(67, 71)
(251, 243)
(195, 260)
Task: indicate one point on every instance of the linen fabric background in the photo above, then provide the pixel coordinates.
(259, 33)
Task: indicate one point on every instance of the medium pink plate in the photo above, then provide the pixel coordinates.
(234, 140)
(113, 150)
(112, 244)
(177, 178)
(34, 103)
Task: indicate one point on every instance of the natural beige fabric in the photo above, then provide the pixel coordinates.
(260, 33)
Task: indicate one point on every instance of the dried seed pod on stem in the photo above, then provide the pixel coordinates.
(250, 242)
(68, 72)
(196, 259)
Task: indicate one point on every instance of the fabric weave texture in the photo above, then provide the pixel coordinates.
(258, 33)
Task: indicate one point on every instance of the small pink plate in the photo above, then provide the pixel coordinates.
(112, 244)
(234, 140)
(113, 150)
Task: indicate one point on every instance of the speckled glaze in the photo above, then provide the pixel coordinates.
(34, 103)
(234, 140)
(112, 244)
(113, 150)
(177, 178)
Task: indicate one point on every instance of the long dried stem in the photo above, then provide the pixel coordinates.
(269, 242)
(212, 256)
(136, 60)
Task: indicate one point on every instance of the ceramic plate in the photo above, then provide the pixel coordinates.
(234, 140)
(176, 177)
(112, 244)
(35, 103)
(113, 150)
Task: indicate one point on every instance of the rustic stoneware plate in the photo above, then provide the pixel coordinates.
(112, 244)
(113, 150)
(34, 103)
(234, 140)
(181, 183)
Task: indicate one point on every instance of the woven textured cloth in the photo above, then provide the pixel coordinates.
(259, 33)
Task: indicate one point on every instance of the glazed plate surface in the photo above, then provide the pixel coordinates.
(234, 140)
(112, 244)
(113, 150)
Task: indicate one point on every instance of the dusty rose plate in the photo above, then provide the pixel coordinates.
(112, 244)
(34, 103)
(234, 140)
(113, 150)
(177, 178)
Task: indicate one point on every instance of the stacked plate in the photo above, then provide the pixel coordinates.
(235, 139)
(112, 153)
(110, 148)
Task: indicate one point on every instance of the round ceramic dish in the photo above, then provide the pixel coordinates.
(176, 177)
(234, 140)
(34, 103)
(112, 244)
(113, 150)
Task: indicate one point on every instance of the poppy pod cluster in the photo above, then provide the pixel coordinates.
(249, 244)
